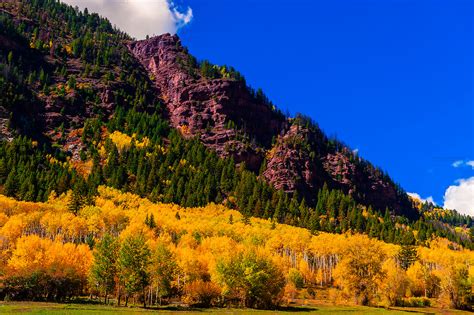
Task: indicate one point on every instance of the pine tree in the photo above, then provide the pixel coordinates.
(279, 209)
(246, 219)
(407, 256)
(76, 202)
(273, 226)
(314, 220)
(304, 213)
(10, 58)
(152, 223)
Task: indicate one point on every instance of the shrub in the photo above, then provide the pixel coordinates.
(296, 278)
(202, 293)
(414, 302)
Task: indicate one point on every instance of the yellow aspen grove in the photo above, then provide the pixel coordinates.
(198, 256)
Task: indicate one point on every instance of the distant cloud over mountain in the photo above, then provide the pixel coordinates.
(139, 18)
(417, 196)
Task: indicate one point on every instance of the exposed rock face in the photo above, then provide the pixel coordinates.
(340, 168)
(381, 193)
(43, 113)
(301, 162)
(202, 106)
(5, 132)
(289, 165)
(364, 182)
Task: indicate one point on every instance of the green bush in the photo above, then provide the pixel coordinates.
(414, 302)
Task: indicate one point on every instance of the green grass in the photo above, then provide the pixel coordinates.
(72, 309)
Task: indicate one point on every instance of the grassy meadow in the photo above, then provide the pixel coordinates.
(72, 309)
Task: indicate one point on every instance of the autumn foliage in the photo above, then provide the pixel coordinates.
(126, 247)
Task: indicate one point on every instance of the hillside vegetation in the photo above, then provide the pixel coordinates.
(128, 247)
(90, 101)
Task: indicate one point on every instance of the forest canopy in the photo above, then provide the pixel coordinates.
(124, 246)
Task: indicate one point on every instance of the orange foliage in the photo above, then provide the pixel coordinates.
(44, 235)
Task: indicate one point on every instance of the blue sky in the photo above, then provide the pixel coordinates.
(391, 78)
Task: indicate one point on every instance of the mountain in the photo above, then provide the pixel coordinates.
(82, 104)
(215, 104)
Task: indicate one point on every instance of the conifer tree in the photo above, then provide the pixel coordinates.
(407, 256)
(76, 202)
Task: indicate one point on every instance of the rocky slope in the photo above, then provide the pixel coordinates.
(231, 120)
(222, 111)
(289, 165)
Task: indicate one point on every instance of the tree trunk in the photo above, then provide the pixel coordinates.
(156, 296)
(118, 295)
(126, 300)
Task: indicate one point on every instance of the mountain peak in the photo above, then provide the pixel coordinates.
(149, 47)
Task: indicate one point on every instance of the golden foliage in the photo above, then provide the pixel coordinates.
(33, 253)
(45, 235)
(123, 141)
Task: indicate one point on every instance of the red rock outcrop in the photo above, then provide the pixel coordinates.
(361, 180)
(289, 166)
(202, 106)
(205, 101)
(340, 168)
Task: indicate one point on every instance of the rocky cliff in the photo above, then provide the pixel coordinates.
(231, 119)
(222, 111)
(290, 165)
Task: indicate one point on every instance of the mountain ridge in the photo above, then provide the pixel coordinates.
(204, 106)
(147, 117)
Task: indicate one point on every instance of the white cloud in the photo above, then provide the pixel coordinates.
(417, 196)
(462, 163)
(461, 196)
(139, 18)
